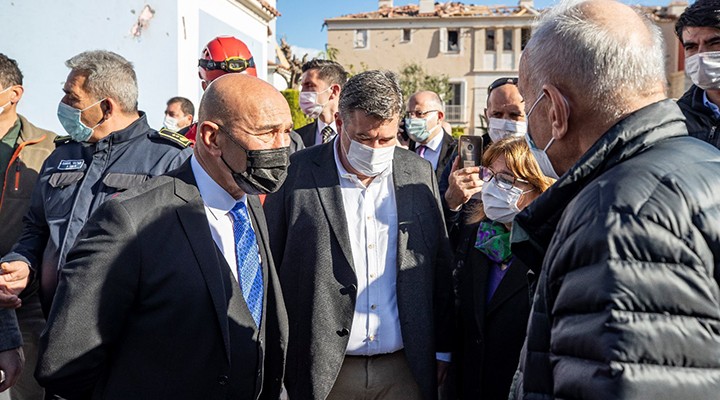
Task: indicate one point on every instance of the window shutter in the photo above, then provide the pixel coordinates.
(443, 40)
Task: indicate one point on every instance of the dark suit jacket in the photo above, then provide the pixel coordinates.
(490, 334)
(147, 307)
(311, 246)
(449, 144)
(307, 133)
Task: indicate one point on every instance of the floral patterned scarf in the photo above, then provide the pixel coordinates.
(493, 240)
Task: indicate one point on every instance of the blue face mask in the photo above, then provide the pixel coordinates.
(70, 120)
(416, 128)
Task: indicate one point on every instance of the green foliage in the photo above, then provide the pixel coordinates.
(352, 71)
(458, 131)
(413, 78)
(293, 98)
(330, 53)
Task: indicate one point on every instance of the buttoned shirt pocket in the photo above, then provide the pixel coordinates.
(124, 181)
(60, 196)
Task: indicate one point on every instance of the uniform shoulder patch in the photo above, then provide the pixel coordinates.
(60, 140)
(173, 137)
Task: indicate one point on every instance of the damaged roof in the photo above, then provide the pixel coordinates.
(444, 10)
(452, 9)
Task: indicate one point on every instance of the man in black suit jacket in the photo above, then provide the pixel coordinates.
(322, 81)
(149, 305)
(363, 258)
(423, 123)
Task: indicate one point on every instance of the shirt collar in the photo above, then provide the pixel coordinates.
(435, 142)
(322, 125)
(344, 173)
(216, 199)
(712, 106)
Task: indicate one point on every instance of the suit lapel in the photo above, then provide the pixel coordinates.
(480, 275)
(515, 279)
(327, 184)
(194, 222)
(403, 202)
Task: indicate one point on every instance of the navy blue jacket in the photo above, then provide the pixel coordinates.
(76, 179)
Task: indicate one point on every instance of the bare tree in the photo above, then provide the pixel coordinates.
(295, 65)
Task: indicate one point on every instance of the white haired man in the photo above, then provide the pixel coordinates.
(627, 304)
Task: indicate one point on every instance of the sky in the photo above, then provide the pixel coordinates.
(301, 22)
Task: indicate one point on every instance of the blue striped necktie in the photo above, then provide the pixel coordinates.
(248, 261)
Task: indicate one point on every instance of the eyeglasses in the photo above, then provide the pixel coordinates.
(500, 82)
(419, 114)
(503, 180)
(231, 64)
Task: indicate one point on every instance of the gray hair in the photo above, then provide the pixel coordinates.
(9, 72)
(570, 47)
(375, 92)
(109, 75)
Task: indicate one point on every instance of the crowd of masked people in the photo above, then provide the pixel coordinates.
(361, 256)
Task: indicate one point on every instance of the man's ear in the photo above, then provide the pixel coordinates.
(109, 107)
(338, 123)
(441, 117)
(207, 132)
(16, 93)
(558, 112)
(334, 91)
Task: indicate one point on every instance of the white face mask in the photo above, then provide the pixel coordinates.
(170, 123)
(369, 161)
(309, 104)
(500, 204)
(540, 155)
(704, 69)
(499, 129)
(2, 108)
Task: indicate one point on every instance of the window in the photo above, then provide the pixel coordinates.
(524, 37)
(507, 39)
(361, 36)
(454, 105)
(453, 40)
(489, 39)
(406, 35)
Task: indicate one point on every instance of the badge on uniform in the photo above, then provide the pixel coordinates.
(71, 165)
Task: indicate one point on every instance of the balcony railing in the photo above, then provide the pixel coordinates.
(454, 112)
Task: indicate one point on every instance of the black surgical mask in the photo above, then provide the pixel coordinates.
(266, 169)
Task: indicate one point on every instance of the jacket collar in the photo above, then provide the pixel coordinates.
(138, 128)
(535, 226)
(692, 102)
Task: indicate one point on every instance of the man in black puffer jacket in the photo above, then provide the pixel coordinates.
(698, 29)
(627, 303)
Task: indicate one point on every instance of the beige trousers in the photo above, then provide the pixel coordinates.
(380, 377)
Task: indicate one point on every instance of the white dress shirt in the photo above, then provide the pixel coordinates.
(320, 126)
(371, 214)
(218, 204)
(433, 148)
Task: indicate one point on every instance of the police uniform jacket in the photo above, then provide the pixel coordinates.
(77, 178)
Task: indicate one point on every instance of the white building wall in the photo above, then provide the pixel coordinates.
(42, 34)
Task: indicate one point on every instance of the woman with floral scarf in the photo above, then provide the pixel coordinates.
(492, 287)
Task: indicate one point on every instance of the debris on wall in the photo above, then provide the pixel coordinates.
(143, 21)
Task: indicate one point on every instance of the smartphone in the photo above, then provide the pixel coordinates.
(470, 149)
(403, 131)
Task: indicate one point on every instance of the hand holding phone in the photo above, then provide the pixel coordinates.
(470, 150)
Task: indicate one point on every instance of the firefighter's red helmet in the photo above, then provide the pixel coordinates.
(225, 54)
